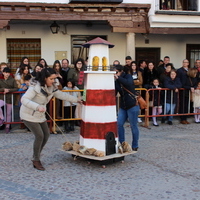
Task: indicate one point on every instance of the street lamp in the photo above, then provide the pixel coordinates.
(54, 28)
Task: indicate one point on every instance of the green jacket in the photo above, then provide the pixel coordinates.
(11, 84)
(74, 75)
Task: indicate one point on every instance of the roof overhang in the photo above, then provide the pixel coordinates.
(122, 17)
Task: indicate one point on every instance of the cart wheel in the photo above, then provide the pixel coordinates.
(103, 166)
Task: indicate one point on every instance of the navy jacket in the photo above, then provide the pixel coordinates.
(172, 85)
(127, 100)
(182, 74)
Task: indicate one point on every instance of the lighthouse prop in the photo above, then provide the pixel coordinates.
(99, 125)
(99, 118)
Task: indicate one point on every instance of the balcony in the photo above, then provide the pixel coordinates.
(177, 5)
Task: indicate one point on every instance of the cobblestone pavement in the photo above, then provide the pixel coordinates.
(167, 166)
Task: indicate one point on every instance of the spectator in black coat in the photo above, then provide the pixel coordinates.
(150, 73)
(183, 95)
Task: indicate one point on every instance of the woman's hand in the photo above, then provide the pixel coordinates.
(80, 101)
(41, 109)
(192, 89)
(6, 90)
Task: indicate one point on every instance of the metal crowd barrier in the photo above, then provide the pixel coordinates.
(15, 104)
(182, 100)
(146, 114)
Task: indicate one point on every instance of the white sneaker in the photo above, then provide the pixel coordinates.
(139, 120)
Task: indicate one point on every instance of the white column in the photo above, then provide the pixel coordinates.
(130, 45)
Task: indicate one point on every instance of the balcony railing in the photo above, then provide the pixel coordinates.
(177, 5)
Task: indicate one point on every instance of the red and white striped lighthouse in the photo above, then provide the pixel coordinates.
(99, 111)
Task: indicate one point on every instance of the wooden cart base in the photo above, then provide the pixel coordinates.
(105, 160)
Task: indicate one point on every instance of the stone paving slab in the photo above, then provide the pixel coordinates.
(167, 166)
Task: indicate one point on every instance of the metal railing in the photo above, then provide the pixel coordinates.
(178, 5)
(148, 95)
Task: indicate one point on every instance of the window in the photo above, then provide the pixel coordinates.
(18, 48)
(190, 5)
(193, 53)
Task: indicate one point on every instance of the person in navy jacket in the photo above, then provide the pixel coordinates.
(173, 83)
(128, 105)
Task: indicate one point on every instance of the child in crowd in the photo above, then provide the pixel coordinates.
(69, 108)
(196, 103)
(25, 85)
(156, 100)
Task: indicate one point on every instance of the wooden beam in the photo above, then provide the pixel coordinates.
(174, 30)
(3, 23)
(128, 30)
(122, 5)
(122, 16)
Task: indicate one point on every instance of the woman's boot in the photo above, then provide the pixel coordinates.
(38, 165)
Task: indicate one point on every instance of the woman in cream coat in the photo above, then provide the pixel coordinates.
(33, 109)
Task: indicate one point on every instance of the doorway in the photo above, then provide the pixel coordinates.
(78, 51)
(148, 54)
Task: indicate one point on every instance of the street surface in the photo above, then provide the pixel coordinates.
(167, 166)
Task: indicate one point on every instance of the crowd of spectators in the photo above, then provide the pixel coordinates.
(182, 84)
(145, 75)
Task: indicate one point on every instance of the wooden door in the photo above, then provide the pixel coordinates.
(148, 54)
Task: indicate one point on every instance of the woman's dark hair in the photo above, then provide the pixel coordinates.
(79, 60)
(170, 64)
(40, 65)
(127, 69)
(72, 81)
(22, 62)
(54, 65)
(22, 68)
(151, 62)
(131, 70)
(34, 72)
(45, 63)
(45, 73)
(119, 68)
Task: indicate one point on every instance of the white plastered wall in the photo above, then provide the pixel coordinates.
(173, 46)
(60, 42)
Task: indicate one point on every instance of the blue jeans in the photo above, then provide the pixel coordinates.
(169, 111)
(132, 115)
